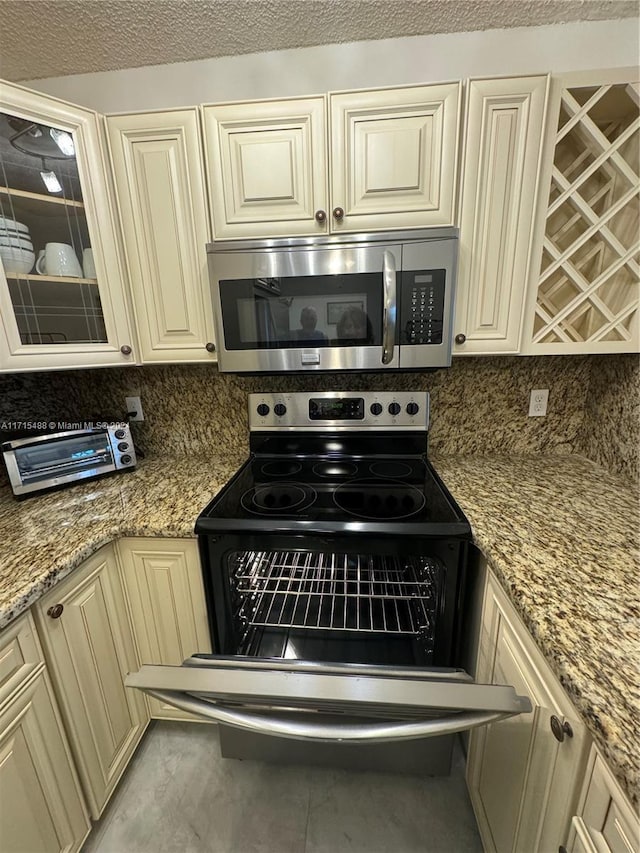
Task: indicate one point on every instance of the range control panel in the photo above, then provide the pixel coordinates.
(340, 410)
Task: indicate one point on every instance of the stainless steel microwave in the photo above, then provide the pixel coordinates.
(345, 302)
(51, 460)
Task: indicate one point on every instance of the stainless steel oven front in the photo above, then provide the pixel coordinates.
(346, 302)
(334, 566)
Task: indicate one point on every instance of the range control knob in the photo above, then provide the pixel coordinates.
(119, 433)
(394, 408)
(375, 408)
(122, 446)
(413, 408)
(125, 459)
(280, 409)
(263, 410)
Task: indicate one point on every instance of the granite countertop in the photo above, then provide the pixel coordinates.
(560, 534)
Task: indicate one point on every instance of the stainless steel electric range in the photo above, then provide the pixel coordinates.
(334, 566)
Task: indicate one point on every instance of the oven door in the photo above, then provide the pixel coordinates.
(329, 702)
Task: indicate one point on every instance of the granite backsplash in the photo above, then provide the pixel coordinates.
(479, 405)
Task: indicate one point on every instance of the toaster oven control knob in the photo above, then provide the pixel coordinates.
(119, 433)
(125, 459)
(413, 408)
(375, 409)
(280, 409)
(263, 410)
(394, 408)
(122, 446)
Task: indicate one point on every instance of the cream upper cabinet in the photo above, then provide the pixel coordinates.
(361, 161)
(501, 161)
(62, 283)
(41, 802)
(159, 177)
(267, 167)
(394, 157)
(84, 627)
(584, 294)
(163, 585)
(524, 774)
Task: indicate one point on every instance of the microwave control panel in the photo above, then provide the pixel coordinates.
(422, 307)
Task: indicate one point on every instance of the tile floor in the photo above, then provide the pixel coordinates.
(179, 796)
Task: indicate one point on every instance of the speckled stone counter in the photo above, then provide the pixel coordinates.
(560, 534)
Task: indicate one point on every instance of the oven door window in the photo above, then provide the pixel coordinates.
(316, 606)
(302, 311)
(54, 459)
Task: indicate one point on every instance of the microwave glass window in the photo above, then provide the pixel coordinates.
(40, 462)
(314, 311)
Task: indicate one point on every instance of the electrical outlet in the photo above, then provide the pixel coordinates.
(538, 403)
(134, 404)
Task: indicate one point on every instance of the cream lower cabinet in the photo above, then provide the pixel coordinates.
(361, 161)
(523, 781)
(159, 176)
(163, 583)
(83, 624)
(501, 164)
(605, 821)
(42, 808)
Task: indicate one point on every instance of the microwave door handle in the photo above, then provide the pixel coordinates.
(389, 306)
(324, 732)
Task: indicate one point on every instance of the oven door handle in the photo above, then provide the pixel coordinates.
(325, 732)
(389, 306)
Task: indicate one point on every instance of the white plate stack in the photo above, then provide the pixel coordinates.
(16, 248)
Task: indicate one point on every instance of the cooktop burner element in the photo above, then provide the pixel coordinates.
(372, 499)
(390, 468)
(278, 498)
(336, 470)
(281, 468)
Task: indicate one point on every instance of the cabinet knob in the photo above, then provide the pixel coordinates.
(560, 729)
(562, 849)
(210, 347)
(338, 213)
(460, 339)
(55, 611)
(321, 216)
(125, 349)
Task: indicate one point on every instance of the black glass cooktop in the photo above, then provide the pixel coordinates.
(378, 494)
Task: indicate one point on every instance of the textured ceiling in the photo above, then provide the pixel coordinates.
(52, 38)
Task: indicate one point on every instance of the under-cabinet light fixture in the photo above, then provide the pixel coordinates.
(51, 182)
(63, 140)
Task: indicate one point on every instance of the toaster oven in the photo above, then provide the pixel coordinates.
(51, 460)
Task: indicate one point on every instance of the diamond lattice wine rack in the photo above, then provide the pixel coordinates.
(588, 288)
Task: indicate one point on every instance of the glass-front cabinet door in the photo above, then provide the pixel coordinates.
(62, 297)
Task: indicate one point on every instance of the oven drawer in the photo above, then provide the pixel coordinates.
(329, 702)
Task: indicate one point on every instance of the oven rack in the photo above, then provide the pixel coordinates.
(339, 592)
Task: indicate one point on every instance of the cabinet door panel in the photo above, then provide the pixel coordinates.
(393, 157)
(522, 781)
(41, 806)
(163, 582)
(90, 649)
(267, 167)
(67, 308)
(501, 165)
(159, 177)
